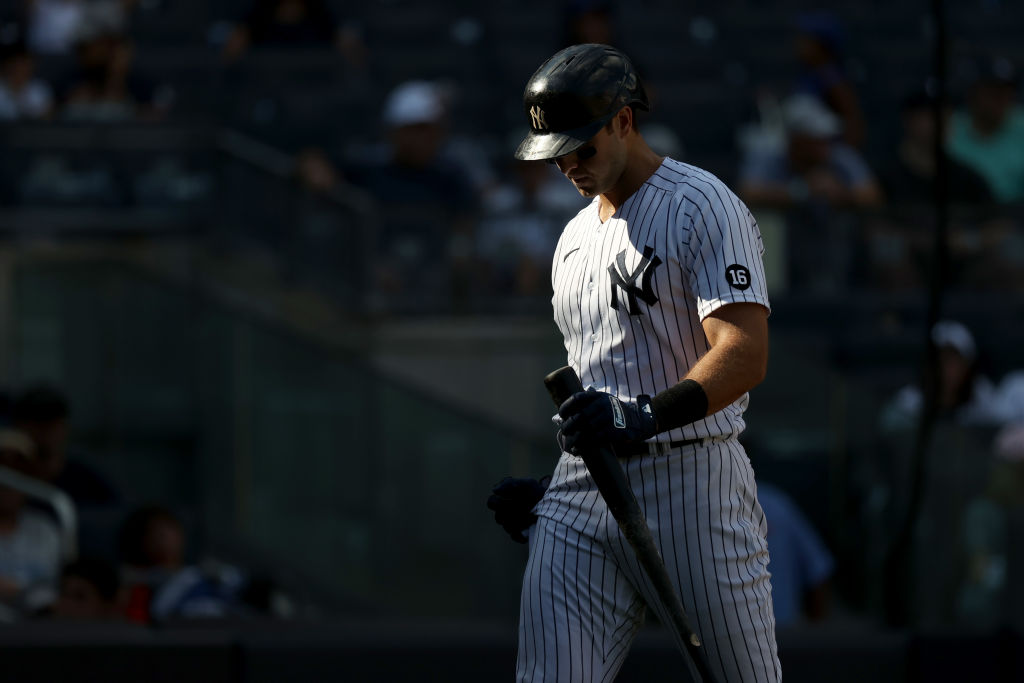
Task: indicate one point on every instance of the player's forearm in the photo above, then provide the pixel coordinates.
(729, 370)
(736, 362)
(726, 372)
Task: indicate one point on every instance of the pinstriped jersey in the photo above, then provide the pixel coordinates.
(630, 293)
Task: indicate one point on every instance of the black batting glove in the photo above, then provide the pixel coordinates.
(595, 418)
(512, 501)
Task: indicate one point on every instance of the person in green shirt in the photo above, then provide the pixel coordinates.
(988, 134)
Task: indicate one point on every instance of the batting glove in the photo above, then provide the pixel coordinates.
(595, 418)
(512, 501)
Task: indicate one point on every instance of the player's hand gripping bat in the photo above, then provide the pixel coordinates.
(611, 482)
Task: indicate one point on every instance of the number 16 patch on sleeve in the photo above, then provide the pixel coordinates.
(738, 276)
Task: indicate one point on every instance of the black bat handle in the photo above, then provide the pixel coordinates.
(611, 481)
(607, 475)
(562, 383)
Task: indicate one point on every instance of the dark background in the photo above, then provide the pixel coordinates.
(226, 353)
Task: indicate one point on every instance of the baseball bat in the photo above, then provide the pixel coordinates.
(611, 483)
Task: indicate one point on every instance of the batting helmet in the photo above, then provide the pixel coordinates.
(573, 95)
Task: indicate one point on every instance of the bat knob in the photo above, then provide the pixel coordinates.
(562, 383)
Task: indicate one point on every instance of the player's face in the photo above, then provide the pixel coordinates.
(593, 168)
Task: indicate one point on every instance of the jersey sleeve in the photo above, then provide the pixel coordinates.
(724, 251)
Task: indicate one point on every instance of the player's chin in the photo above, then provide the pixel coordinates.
(585, 187)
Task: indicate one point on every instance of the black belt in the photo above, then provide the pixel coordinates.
(652, 447)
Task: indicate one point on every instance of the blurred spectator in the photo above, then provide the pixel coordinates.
(22, 95)
(964, 395)
(54, 26)
(820, 46)
(30, 553)
(911, 175)
(428, 188)
(984, 246)
(43, 412)
(152, 537)
(151, 545)
(988, 534)
(800, 564)
(89, 590)
(427, 201)
(988, 135)
(161, 585)
(813, 165)
(520, 226)
(985, 250)
(295, 23)
(105, 86)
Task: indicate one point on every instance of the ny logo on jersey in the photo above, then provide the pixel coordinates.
(537, 118)
(622, 278)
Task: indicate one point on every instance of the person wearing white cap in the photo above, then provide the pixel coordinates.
(415, 116)
(965, 396)
(813, 165)
(794, 185)
(427, 201)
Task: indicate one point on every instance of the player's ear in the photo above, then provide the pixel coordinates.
(624, 121)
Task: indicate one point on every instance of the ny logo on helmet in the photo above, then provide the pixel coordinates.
(537, 118)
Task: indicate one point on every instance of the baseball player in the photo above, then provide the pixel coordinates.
(659, 293)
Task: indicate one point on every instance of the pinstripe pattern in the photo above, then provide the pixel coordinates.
(682, 237)
(584, 590)
(698, 228)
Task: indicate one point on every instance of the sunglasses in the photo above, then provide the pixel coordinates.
(582, 154)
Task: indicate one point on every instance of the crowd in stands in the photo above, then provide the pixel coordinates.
(459, 214)
(141, 571)
(97, 80)
(295, 23)
(975, 483)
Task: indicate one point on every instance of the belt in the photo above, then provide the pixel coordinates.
(654, 447)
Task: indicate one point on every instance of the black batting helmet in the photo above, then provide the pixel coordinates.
(573, 95)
